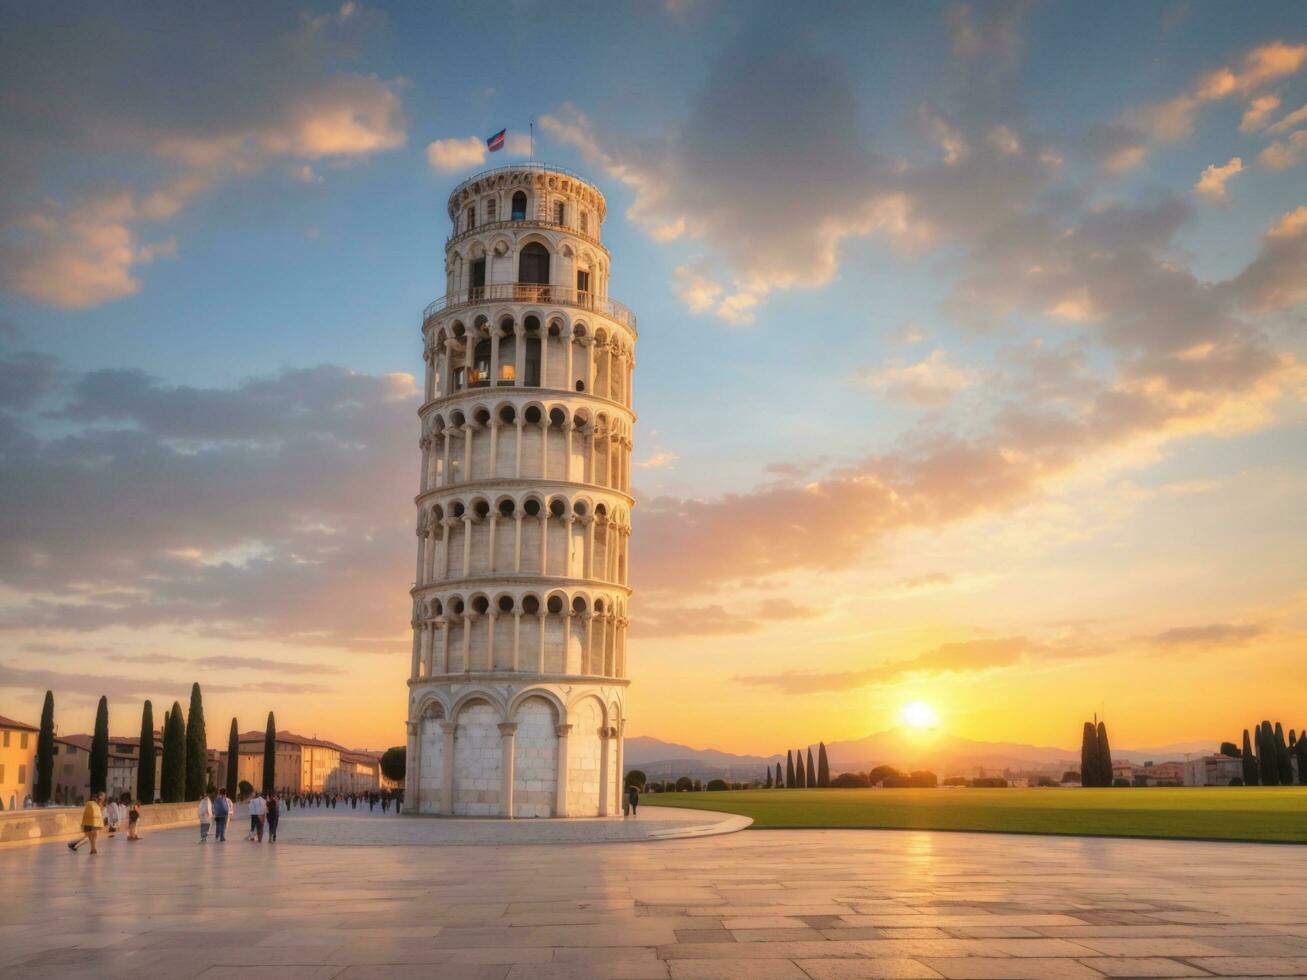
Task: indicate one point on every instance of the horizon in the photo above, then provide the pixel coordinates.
(969, 375)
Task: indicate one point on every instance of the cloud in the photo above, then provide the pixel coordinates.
(653, 621)
(658, 461)
(118, 687)
(247, 513)
(930, 382)
(1290, 120)
(1211, 185)
(768, 170)
(456, 153)
(1258, 112)
(968, 656)
(1173, 119)
(1212, 634)
(1283, 154)
(1277, 278)
(226, 662)
(80, 257)
(225, 100)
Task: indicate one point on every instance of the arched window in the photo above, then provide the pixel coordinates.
(471, 218)
(533, 264)
(560, 212)
(519, 206)
(490, 210)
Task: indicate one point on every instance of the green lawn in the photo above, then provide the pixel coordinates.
(1257, 813)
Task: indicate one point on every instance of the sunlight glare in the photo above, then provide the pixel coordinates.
(918, 714)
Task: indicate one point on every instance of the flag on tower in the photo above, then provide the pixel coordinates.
(496, 142)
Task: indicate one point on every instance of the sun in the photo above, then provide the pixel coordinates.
(918, 714)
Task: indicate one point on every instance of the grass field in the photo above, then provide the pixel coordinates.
(1258, 813)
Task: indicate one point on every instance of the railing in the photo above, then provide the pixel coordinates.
(529, 292)
(546, 167)
(458, 236)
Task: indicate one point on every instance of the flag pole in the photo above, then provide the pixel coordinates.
(532, 125)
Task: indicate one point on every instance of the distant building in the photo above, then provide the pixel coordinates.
(17, 762)
(1212, 770)
(1124, 770)
(308, 765)
(1161, 774)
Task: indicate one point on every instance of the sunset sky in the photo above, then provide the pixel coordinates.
(970, 367)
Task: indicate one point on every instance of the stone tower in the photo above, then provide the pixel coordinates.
(519, 668)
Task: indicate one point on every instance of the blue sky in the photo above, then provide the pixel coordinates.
(862, 192)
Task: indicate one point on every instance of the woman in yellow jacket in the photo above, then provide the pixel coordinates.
(92, 821)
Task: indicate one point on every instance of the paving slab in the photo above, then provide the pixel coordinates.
(347, 895)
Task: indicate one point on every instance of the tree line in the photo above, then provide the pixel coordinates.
(180, 768)
(1268, 759)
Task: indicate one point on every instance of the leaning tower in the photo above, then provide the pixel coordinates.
(519, 667)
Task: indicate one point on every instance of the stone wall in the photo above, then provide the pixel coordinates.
(535, 759)
(431, 764)
(584, 750)
(31, 826)
(478, 754)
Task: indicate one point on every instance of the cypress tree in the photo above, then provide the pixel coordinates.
(800, 781)
(779, 784)
(1302, 760)
(1268, 757)
(1249, 761)
(789, 769)
(44, 783)
(1104, 756)
(270, 756)
(100, 748)
(233, 760)
(1089, 756)
(767, 785)
(811, 770)
(173, 789)
(196, 747)
(1282, 757)
(145, 762)
(823, 767)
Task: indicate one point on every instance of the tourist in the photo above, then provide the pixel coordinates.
(205, 812)
(633, 797)
(92, 821)
(274, 815)
(222, 808)
(133, 819)
(111, 817)
(258, 810)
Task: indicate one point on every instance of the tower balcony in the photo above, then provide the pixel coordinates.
(530, 292)
(524, 224)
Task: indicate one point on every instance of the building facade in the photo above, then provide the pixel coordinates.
(307, 765)
(17, 762)
(519, 665)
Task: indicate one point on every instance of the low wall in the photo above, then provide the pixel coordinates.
(52, 823)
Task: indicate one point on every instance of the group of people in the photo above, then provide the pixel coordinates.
(217, 810)
(101, 813)
(353, 800)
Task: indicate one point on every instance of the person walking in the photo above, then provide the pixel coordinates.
(133, 819)
(92, 821)
(633, 797)
(205, 812)
(274, 815)
(111, 817)
(222, 807)
(258, 810)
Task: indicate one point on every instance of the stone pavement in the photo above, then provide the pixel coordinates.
(806, 905)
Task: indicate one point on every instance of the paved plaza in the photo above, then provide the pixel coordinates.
(342, 895)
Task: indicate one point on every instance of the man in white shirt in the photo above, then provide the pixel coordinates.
(257, 810)
(205, 813)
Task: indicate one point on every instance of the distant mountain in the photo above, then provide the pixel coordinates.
(904, 748)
